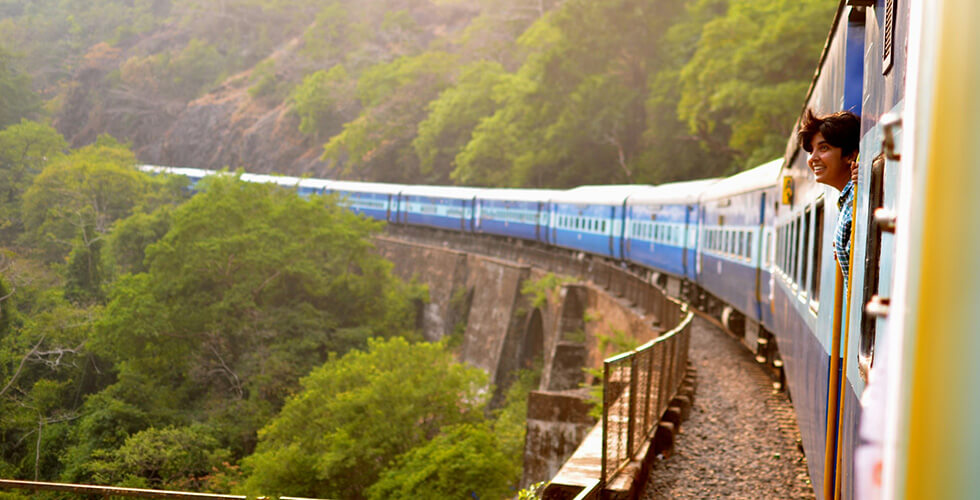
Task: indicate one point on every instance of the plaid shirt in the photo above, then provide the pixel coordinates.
(842, 237)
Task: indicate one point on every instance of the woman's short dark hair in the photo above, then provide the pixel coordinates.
(841, 129)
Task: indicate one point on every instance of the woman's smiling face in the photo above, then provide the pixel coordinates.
(827, 163)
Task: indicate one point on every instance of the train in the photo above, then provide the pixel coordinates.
(881, 372)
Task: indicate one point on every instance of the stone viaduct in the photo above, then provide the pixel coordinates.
(509, 312)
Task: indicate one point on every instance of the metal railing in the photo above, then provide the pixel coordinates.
(637, 388)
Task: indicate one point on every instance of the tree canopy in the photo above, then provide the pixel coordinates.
(358, 412)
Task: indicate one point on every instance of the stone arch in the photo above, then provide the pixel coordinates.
(569, 353)
(532, 347)
(572, 326)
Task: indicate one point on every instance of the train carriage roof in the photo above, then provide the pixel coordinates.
(282, 180)
(613, 194)
(184, 171)
(761, 177)
(674, 193)
(365, 187)
(453, 192)
(507, 194)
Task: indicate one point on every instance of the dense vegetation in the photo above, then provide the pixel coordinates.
(241, 339)
(494, 92)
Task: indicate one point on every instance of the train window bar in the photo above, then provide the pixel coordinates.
(805, 261)
(768, 250)
(795, 253)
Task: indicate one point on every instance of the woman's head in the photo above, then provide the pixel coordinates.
(832, 141)
(841, 129)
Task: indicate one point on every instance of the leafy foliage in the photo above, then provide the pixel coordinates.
(17, 98)
(168, 458)
(319, 101)
(747, 75)
(81, 195)
(464, 461)
(25, 148)
(358, 412)
(394, 96)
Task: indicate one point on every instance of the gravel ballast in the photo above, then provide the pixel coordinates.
(740, 440)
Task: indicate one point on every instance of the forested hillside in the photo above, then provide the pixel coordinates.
(546, 93)
(243, 339)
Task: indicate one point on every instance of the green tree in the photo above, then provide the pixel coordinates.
(394, 97)
(452, 117)
(465, 461)
(44, 369)
(17, 98)
(130, 236)
(321, 101)
(80, 195)
(743, 84)
(250, 288)
(25, 148)
(576, 101)
(357, 413)
(169, 458)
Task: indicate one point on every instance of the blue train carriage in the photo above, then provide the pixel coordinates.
(735, 247)
(592, 218)
(518, 213)
(445, 207)
(661, 231)
(861, 70)
(371, 199)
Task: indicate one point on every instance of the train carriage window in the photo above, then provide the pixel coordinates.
(603, 226)
(748, 245)
(804, 260)
(738, 243)
(815, 255)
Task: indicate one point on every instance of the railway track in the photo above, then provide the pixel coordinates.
(741, 439)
